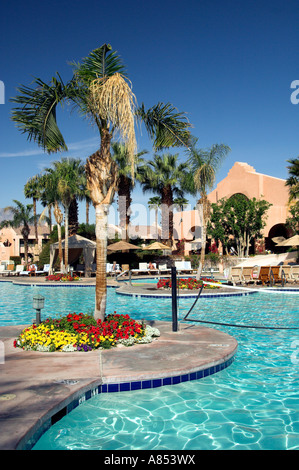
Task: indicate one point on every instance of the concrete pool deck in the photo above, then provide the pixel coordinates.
(37, 389)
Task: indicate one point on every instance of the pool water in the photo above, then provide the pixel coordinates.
(253, 404)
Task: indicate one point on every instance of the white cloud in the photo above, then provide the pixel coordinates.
(80, 146)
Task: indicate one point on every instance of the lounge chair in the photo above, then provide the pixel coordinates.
(19, 269)
(295, 273)
(163, 268)
(264, 275)
(112, 272)
(250, 274)
(45, 270)
(183, 267)
(28, 273)
(142, 269)
(276, 275)
(236, 275)
(153, 270)
(8, 270)
(286, 271)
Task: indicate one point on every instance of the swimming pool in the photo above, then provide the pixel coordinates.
(253, 404)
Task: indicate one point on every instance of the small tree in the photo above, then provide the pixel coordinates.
(240, 218)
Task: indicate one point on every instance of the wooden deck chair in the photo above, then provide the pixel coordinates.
(286, 271)
(295, 273)
(247, 275)
(264, 275)
(236, 276)
(276, 275)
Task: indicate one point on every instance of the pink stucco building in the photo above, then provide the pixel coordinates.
(243, 179)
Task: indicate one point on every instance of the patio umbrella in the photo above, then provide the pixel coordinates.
(293, 241)
(157, 246)
(122, 245)
(278, 239)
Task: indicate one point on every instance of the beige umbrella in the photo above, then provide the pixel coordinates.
(157, 246)
(278, 239)
(293, 241)
(122, 245)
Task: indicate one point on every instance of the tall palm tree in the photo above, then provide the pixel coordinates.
(204, 165)
(100, 90)
(70, 178)
(32, 190)
(50, 198)
(125, 182)
(155, 203)
(22, 217)
(293, 180)
(164, 176)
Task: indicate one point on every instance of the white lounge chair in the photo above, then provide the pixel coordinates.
(250, 274)
(44, 271)
(163, 268)
(110, 271)
(142, 269)
(295, 273)
(236, 276)
(19, 269)
(183, 267)
(27, 273)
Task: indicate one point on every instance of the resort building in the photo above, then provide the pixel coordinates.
(12, 243)
(242, 179)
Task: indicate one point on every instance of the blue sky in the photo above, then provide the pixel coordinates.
(228, 64)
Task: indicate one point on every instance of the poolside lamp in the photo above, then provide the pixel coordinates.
(38, 304)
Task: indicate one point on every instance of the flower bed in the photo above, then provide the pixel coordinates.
(189, 283)
(62, 277)
(79, 332)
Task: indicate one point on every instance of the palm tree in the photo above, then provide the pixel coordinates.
(70, 178)
(155, 203)
(32, 190)
(50, 198)
(293, 180)
(204, 165)
(180, 202)
(164, 175)
(100, 90)
(22, 217)
(125, 182)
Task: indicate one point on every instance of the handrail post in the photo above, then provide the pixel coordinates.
(174, 300)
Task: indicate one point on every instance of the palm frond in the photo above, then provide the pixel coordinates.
(100, 63)
(35, 114)
(165, 125)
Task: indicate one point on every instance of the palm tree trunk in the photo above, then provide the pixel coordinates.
(87, 212)
(66, 237)
(124, 195)
(35, 220)
(25, 233)
(205, 212)
(167, 215)
(60, 252)
(58, 218)
(101, 258)
(101, 177)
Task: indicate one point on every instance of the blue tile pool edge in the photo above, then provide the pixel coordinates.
(31, 438)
